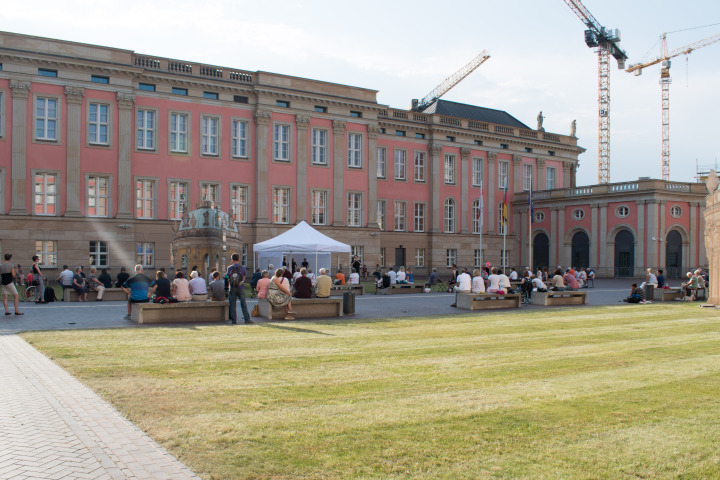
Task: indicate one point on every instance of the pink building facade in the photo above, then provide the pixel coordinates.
(102, 150)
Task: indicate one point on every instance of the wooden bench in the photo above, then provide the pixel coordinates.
(563, 297)
(405, 288)
(304, 308)
(487, 301)
(666, 294)
(180, 312)
(110, 295)
(338, 290)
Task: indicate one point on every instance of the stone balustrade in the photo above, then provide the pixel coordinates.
(190, 68)
(639, 186)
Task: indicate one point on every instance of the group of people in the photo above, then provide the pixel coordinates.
(392, 277)
(696, 280)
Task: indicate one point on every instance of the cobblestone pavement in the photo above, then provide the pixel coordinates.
(53, 427)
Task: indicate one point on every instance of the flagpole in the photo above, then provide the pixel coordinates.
(530, 222)
(481, 222)
(504, 225)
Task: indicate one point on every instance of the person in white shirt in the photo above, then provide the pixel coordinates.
(478, 284)
(311, 276)
(296, 275)
(393, 276)
(650, 279)
(513, 274)
(464, 285)
(400, 277)
(504, 282)
(354, 277)
(494, 280)
(538, 284)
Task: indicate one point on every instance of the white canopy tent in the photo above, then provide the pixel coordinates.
(301, 241)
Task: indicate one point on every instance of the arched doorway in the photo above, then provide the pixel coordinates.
(580, 254)
(624, 254)
(541, 251)
(673, 255)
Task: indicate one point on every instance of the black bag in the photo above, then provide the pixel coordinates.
(49, 295)
(235, 277)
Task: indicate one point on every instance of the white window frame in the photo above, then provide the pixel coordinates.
(47, 252)
(354, 150)
(318, 207)
(676, 211)
(240, 202)
(450, 257)
(210, 135)
(281, 205)
(240, 131)
(419, 257)
(449, 215)
(539, 217)
(503, 172)
(399, 216)
(382, 256)
(477, 255)
(97, 197)
(43, 135)
(419, 166)
(282, 136)
(476, 220)
(400, 164)
(145, 135)
(504, 258)
(179, 138)
(145, 254)
(382, 162)
(354, 209)
(477, 171)
(211, 191)
(419, 209)
(550, 178)
(622, 211)
(179, 204)
(578, 214)
(449, 169)
(96, 110)
(102, 255)
(48, 198)
(527, 172)
(319, 138)
(141, 184)
(381, 214)
(502, 230)
(359, 251)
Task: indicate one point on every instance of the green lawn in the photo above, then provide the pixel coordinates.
(608, 392)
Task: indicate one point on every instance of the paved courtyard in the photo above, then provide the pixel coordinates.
(53, 427)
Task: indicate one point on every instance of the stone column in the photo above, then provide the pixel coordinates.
(702, 253)
(464, 179)
(20, 92)
(662, 260)
(125, 103)
(373, 133)
(491, 208)
(563, 255)
(338, 167)
(436, 207)
(522, 233)
(693, 235)
(262, 189)
(566, 175)
(517, 174)
(653, 235)
(540, 183)
(593, 260)
(301, 122)
(603, 238)
(641, 239)
(74, 98)
(573, 173)
(553, 260)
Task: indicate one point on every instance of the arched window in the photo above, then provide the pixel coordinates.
(476, 217)
(449, 217)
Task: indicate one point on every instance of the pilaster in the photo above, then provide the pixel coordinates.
(20, 91)
(301, 122)
(553, 237)
(74, 98)
(436, 208)
(653, 235)
(603, 238)
(566, 175)
(662, 246)
(693, 234)
(702, 253)
(373, 133)
(262, 189)
(641, 238)
(517, 173)
(540, 184)
(563, 250)
(491, 209)
(125, 102)
(338, 167)
(593, 260)
(464, 179)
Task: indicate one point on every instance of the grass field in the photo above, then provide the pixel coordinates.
(609, 392)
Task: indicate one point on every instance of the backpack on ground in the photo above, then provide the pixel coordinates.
(49, 295)
(235, 277)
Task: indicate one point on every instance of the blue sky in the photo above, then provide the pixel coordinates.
(405, 48)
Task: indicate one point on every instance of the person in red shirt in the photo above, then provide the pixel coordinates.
(570, 281)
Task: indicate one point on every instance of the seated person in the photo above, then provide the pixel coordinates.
(690, 287)
(94, 283)
(340, 278)
(354, 278)
(393, 276)
(400, 276)
(160, 288)
(181, 288)
(660, 279)
(494, 280)
(637, 295)
(513, 274)
(80, 286)
(463, 285)
(409, 276)
(217, 288)
(433, 278)
(570, 281)
(538, 285)
(253, 282)
(478, 283)
(324, 282)
(105, 278)
(263, 284)
(198, 287)
(303, 285)
(558, 283)
(384, 281)
(504, 282)
(122, 277)
(311, 276)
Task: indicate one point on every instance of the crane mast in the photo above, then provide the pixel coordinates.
(450, 82)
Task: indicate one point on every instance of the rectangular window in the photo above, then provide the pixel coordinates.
(98, 195)
(281, 142)
(99, 79)
(504, 146)
(145, 199)
(450, 257)
(381, 162)
(99, 255)
(245, 250)
(240, 138)
(355, 114)
(178, 132)
(240, 99)
(239, 203)
(210, 192)
(478, 143)
(549, 178)
(47, 251)
(551, 153)
(178, 199)
(211, 95)
(477, 172)
(527, 176)
(449, 170)
(359, 251)
(419, 135)
(320, 109)
(146, 254)
(399, 216)
(209, 133)
(382, 256)
(354, 210)
(46, 118)
(98, 123)
(504, 258)
(528, 150)
(2, 113)
(450, 138)
(281, 205)
(478, 258)
(419, 217)
(355, 150)
(46, 194)
(400, 164)
(419, 257)
(502, 174)
(146, 129)
(318, 207)
(46, 72)
(319, 146)
(400, 133)
(148, 87)
(381, 214)
(419, 166)
(179, 91)
(282, 103)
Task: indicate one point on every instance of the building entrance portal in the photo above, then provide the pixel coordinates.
(541, 251)
(399, 257)
(624, 254)
(580, 250)
(673, 255)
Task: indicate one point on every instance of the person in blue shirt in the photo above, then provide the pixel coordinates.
(137, 289)
(660, 279)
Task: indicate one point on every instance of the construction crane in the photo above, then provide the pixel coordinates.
(665, 81)
(606, 41)
(450, 82)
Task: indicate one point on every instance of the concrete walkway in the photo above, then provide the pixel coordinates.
(53, 427)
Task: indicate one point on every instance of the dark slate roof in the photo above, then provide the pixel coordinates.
(471, 112)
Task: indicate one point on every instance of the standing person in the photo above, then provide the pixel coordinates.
(137, 289)
(94, 283)
(294, 266)
(80, 285)
(356, 263)
(305, 263)
(40, 279)
(7, 275)
(237, 273)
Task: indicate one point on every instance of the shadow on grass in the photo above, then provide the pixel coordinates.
(292, 329)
